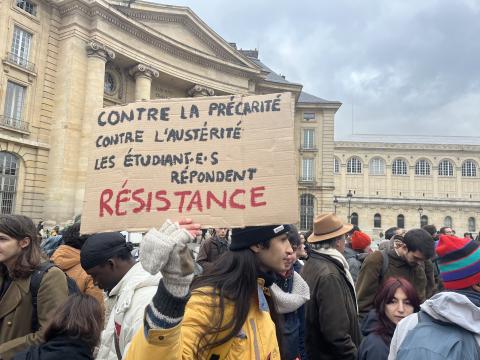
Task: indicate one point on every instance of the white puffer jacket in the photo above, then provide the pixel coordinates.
(130, 297)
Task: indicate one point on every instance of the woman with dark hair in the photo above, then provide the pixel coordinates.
(395, 300)
(226, 313)
(20, 257)
(72, 332)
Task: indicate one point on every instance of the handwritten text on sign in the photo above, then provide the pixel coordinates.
(223, 161)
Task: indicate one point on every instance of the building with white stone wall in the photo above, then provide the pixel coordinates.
(407, 184)
(62, 59)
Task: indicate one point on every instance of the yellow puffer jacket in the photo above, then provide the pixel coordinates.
(256, 341)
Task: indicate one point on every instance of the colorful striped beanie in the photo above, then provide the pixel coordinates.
(459, 262)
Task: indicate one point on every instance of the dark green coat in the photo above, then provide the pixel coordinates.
(16, 310)
(331, 322)
(369, 279)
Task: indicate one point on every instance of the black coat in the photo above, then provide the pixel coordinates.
(59, 348)
(331, 323)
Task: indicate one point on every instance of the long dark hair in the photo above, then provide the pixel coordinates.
(384, 296)
(80, 317)
(20, 227)
(232, 279)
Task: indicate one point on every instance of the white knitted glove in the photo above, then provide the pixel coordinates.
(166, 250)
(178, 272)
(157, 245)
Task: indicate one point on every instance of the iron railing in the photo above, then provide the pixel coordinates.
(22, 62)
(12, 123)
(7, 202)
(306, 179)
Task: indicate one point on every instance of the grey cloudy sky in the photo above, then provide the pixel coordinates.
(399, 67)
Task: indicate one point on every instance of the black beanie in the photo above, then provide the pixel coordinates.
(100, 247)
(245, 237)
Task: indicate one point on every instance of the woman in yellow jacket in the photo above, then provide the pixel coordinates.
(227, 312)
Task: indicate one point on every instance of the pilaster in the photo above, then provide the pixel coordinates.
(97, 56)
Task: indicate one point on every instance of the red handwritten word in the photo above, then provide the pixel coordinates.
(115, 203)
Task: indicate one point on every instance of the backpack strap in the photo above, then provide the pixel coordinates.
(385, 262)
(35, 281)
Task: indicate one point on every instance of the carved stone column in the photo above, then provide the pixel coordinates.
(143, 80)
(200, 90)
(97, 56)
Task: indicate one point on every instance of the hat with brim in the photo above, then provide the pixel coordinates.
(328, 226)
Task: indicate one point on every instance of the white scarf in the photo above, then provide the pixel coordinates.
(289, 302)
(337, 255)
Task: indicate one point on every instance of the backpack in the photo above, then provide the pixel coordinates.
(432, 339)
(384, 269)
(35, 282)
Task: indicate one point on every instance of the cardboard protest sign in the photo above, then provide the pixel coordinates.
(224, 161)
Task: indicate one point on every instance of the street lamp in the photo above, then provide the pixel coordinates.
(420, 212)
(335, 202)
(349, 197)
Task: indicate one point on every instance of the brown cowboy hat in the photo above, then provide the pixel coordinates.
(328, 226)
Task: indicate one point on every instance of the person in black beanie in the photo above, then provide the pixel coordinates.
(107, 258)
(226, 312)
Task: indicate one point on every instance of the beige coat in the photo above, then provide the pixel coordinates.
(16, 311)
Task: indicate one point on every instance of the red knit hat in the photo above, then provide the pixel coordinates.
(360, 240)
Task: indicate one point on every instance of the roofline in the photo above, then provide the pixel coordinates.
(327, 103)
(409, 146)
(110, 6)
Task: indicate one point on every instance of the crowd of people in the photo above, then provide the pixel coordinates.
(259, 292)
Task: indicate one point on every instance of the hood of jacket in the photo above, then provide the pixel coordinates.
(349, 252)
(136, 278)
(456, 308)
(66, 257)
(370, 324)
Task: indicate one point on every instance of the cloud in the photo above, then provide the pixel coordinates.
(402, 66)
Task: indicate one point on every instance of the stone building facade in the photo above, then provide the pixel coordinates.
(405, 184)
(62, 59)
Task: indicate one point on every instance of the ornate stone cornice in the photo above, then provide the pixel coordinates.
(143, 70)
(143, 34)
(95, 49)
(188, 23)
(200, 90)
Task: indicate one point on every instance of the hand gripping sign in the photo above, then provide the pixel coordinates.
(225, 161)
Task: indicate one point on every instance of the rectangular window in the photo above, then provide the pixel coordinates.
(14, 103)
(28, 6)
(308, 139)
(20, 46)
(308, 116)
(307, 170)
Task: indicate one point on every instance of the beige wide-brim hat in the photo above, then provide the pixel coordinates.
(328, 226)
